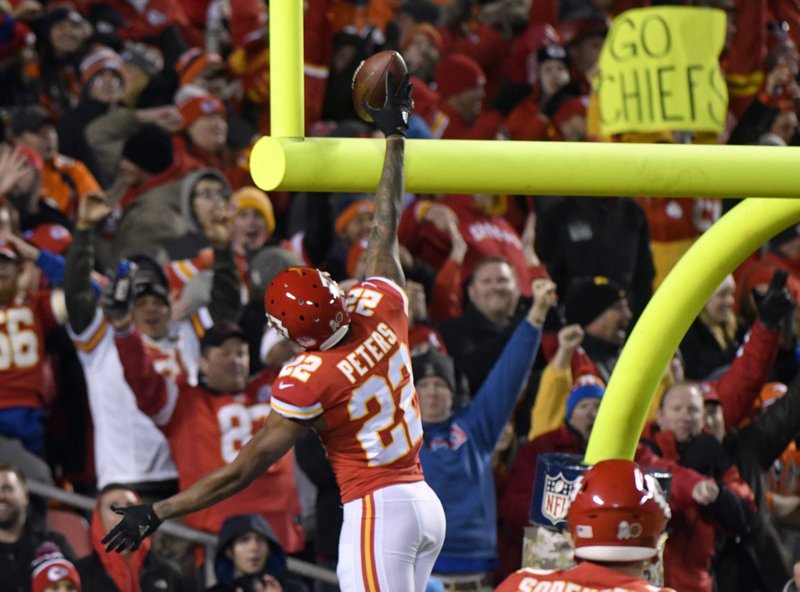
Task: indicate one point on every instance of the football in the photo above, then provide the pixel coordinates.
(369, 80)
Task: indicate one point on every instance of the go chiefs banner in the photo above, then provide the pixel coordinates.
(659, 70)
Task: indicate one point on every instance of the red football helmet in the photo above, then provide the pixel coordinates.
(307, 306)
(617, 514)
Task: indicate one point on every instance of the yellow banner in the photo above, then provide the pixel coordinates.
(659, 70)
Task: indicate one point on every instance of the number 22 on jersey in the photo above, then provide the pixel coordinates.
(405, 428)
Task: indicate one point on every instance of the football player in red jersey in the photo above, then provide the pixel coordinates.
(353, 385)
(615, 520)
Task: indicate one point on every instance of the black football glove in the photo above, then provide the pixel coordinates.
(393, 117)
(776, 304)
(137, 523)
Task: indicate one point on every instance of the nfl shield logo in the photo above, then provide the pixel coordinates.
(556, 478)
(556, 497)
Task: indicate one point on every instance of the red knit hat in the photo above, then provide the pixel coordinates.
(193, 102)
(457, 73)
(195, 61)
(52, 567)
(101, 58)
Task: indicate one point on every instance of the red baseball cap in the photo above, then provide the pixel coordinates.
(49, 237)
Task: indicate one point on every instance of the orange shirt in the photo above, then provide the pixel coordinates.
(65, 182)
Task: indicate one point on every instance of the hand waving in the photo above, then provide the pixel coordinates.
(393, 117)
(137, 523)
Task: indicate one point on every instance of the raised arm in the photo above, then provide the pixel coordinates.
(226, 299)
(382, 257)
(80, 296)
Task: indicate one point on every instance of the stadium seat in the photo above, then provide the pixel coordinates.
(74, 527)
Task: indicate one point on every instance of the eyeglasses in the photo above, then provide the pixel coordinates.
(209, 193)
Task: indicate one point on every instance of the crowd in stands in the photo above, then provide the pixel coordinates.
(126, 128)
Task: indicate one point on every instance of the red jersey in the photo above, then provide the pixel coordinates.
(24, 323)
(585, 577)
(205, 431)
(364, 391)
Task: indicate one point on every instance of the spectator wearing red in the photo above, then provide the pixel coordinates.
(583, 39)
(524, 48)
(424, 230)
(463, 33)
(205, 128)
(142, 569)
(461, 84)
(548, 74)
(249, 60)
(568, 124)
(160, 22)
(190, 412)
(724, 506)
(28, 316)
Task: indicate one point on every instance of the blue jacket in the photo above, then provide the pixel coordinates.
(457, 458)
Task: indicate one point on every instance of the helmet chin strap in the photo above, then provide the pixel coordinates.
(335, 338)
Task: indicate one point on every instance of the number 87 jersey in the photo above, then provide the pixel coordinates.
(364, 391)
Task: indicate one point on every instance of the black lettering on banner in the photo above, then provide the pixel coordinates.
(692, 85)
(649, 79)
(635, 95)
(717, 110)
(630, 46)
(664, 94)
(647, 38)
(602, 79)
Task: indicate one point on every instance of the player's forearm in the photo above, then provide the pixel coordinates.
(382, 250)
(220, 484)
(211, 489)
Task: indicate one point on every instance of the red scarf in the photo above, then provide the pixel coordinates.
(123, 569)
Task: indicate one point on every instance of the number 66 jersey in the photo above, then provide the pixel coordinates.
(364, 391)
